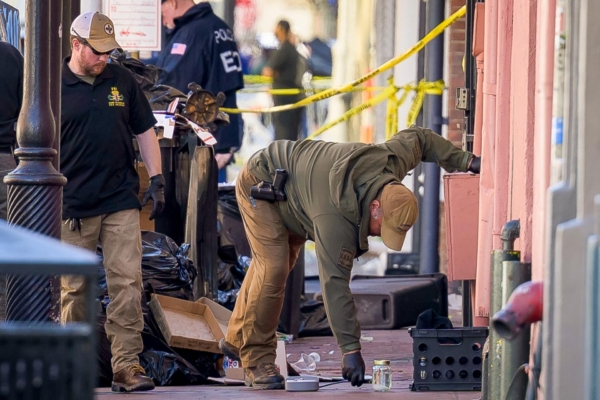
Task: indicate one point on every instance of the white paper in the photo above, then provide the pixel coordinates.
(203, 134)
(137, 23)
(168, 124)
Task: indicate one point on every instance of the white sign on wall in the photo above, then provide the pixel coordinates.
(137, 23)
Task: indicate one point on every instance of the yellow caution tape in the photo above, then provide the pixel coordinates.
(384, 67)
(259, 79)
(390, 91)
(421, 89)
(313, 90)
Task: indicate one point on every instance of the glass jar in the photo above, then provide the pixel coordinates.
(382, 376)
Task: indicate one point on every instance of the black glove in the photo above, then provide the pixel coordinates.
(157, 192)
(353, 368)
(475, 165)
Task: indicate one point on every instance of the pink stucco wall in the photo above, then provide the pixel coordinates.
(486, 189)
(522, 102)
(513, 130)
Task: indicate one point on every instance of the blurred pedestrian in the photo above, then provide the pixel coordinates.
(201, 48)
(286, 66)
(11, 87)
(103, 108)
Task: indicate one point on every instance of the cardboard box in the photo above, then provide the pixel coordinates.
(187, 324)
(222, 315)
(233, 369)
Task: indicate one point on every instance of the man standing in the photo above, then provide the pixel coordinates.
(103, 108)
(286, 66)
(338, 194)
(201, 48)
(11, 89)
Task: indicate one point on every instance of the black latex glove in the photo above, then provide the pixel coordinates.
(353, 368)
(475, 165)
(156, 191)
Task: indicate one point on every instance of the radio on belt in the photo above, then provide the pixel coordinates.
(304, 383)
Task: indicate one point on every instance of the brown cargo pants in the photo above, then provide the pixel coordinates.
(121, 241)
(253, 325)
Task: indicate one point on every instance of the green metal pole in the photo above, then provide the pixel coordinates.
(514, 353)
(494, 379)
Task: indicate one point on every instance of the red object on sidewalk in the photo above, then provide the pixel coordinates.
(524, 307)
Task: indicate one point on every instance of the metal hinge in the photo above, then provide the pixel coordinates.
(462, 99)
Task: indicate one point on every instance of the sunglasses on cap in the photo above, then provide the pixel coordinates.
(85, 43)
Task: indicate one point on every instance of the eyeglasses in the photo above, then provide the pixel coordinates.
(85, 43)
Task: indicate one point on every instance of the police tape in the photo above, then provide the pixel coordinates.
(348, 87)
(421, 89)
(265, 80)
(303, 91)
(386, 94)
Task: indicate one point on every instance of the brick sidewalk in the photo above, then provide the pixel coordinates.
(393, 345)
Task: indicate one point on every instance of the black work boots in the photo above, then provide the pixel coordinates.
(131, 379)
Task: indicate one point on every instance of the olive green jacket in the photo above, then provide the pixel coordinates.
(329, 189)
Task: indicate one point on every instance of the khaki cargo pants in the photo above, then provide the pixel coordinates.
(121, 241)
(253, 325)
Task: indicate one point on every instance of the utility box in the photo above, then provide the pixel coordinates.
(461, 192)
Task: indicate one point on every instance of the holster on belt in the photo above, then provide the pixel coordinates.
(271, 192)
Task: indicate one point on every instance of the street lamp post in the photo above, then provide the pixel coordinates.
(34, 187)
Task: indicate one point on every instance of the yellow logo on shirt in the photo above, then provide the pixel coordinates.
(115, 99)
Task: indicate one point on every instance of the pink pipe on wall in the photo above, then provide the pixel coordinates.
(522, 121)
(478, 53)
(502, 135)
(486, 189)
(543, 130)
(546, 16)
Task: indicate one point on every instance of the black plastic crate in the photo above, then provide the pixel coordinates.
(447, 359)
(46, 362)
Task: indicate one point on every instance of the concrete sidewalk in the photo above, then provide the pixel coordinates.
(395, 345)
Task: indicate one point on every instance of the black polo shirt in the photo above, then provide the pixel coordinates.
(97, 126)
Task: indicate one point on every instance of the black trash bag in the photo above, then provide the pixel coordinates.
(224, 277)
(228, 298)
(167, 266)
(230, 226)
(159, 96)
(231, 273)
(313, 319)
(228, 204)
(103, 352)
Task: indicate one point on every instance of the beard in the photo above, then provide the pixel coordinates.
(88, 67)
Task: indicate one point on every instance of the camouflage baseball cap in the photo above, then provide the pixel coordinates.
(97, 30)
(400, 211)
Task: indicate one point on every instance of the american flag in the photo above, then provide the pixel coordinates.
(178, 48)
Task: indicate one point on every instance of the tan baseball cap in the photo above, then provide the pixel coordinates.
(97, 29)
(400, 211)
